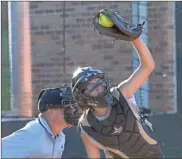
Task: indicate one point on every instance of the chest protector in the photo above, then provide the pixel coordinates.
(123, 134)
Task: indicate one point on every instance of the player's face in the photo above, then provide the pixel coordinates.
(95, 87)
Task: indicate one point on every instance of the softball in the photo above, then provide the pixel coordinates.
(105, 21)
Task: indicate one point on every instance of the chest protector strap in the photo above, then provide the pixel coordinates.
(123, 133)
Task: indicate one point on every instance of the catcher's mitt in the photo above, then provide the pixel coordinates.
(121, 30)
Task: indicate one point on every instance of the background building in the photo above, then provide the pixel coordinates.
(43, 42)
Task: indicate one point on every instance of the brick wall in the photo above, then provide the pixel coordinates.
(53, 64)
(162, 45)
(55, 58)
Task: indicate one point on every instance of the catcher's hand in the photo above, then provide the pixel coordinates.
(121, 30)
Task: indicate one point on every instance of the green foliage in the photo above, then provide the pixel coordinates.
(5, 71)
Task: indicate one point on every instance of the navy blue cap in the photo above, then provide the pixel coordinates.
(53, 97)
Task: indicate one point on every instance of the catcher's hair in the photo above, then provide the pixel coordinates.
(84, 113)
(82, 116)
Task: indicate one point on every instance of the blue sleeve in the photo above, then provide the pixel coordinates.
(20, 144)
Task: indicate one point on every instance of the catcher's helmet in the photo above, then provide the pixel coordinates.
(91, 88)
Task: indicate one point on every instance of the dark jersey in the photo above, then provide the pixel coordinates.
(124, 133)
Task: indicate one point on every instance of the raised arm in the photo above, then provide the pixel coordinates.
(129, 86)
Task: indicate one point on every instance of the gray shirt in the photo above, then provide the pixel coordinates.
(35, 140)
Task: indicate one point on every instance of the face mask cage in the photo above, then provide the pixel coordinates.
(72, 112)
(72, 105)
(96, 87)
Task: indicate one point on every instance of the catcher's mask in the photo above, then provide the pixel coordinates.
(91, 88)
(53, 98)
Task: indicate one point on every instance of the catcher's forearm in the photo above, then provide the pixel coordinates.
(146, 59)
